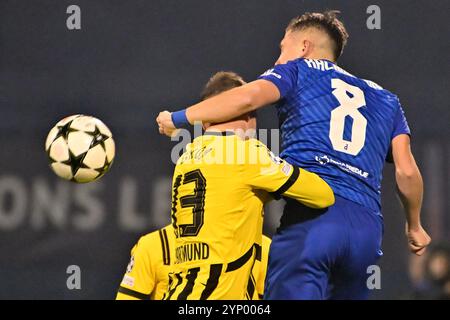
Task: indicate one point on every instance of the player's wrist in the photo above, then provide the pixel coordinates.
(413, 226)
(179, 119)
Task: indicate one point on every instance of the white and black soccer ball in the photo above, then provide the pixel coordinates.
(80, 148)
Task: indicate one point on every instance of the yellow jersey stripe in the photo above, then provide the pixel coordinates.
(172, 291)
(251, 286)
(214, 274)
(165, 246)
(191, 276)
(236, 264)
(258, 252)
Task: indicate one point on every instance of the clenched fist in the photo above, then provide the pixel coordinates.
(418, 240)
(165, 124)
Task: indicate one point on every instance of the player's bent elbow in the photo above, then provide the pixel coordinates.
(322, 198)
(327, 198)
(317, 194)
(407, 174)
(330, 198)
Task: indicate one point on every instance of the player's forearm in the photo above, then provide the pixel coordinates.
(410, 190)
(233, 103)
(221, 108)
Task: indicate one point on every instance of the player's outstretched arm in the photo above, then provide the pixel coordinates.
(234, 103)
(279, 178)
(410, 190)
(223, 107)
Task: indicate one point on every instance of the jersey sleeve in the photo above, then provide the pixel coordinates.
(400, 127)
(139, 279)
(283, 76)
(400, 124)
(268, 172)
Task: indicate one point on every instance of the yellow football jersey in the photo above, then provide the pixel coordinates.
(219, 188)
(147, 273)
(255, 287)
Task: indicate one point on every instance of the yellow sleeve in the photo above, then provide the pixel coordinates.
(311, 190)
(139, 279)
(268, 172)
(266, 241)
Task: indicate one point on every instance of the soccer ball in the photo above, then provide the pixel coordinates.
(80, 148)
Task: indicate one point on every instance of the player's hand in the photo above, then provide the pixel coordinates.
(418, 239)
(165, 124)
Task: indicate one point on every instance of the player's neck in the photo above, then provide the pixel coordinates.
(321, 56)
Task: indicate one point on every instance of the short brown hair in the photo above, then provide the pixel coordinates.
(220, 82)
(326, 21)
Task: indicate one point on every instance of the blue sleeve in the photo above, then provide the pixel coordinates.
(400, 124)
(284, 76)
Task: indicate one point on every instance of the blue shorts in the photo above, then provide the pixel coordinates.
(323, 254)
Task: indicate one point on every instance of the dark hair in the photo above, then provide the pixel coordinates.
(220, 82)
(326, 21)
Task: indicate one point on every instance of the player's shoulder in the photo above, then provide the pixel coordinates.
(286, 72)
(168, 232)
(254, 143)
(390, 95)
(149, 239)
(386, 94)
(367, 85)
(255, 147)
(258, 153)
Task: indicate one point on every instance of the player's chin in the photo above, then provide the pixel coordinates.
(419, 252)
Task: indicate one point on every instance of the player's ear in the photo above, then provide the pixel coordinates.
(306, 48)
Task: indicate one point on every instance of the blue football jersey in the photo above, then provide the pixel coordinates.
(336, 125)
